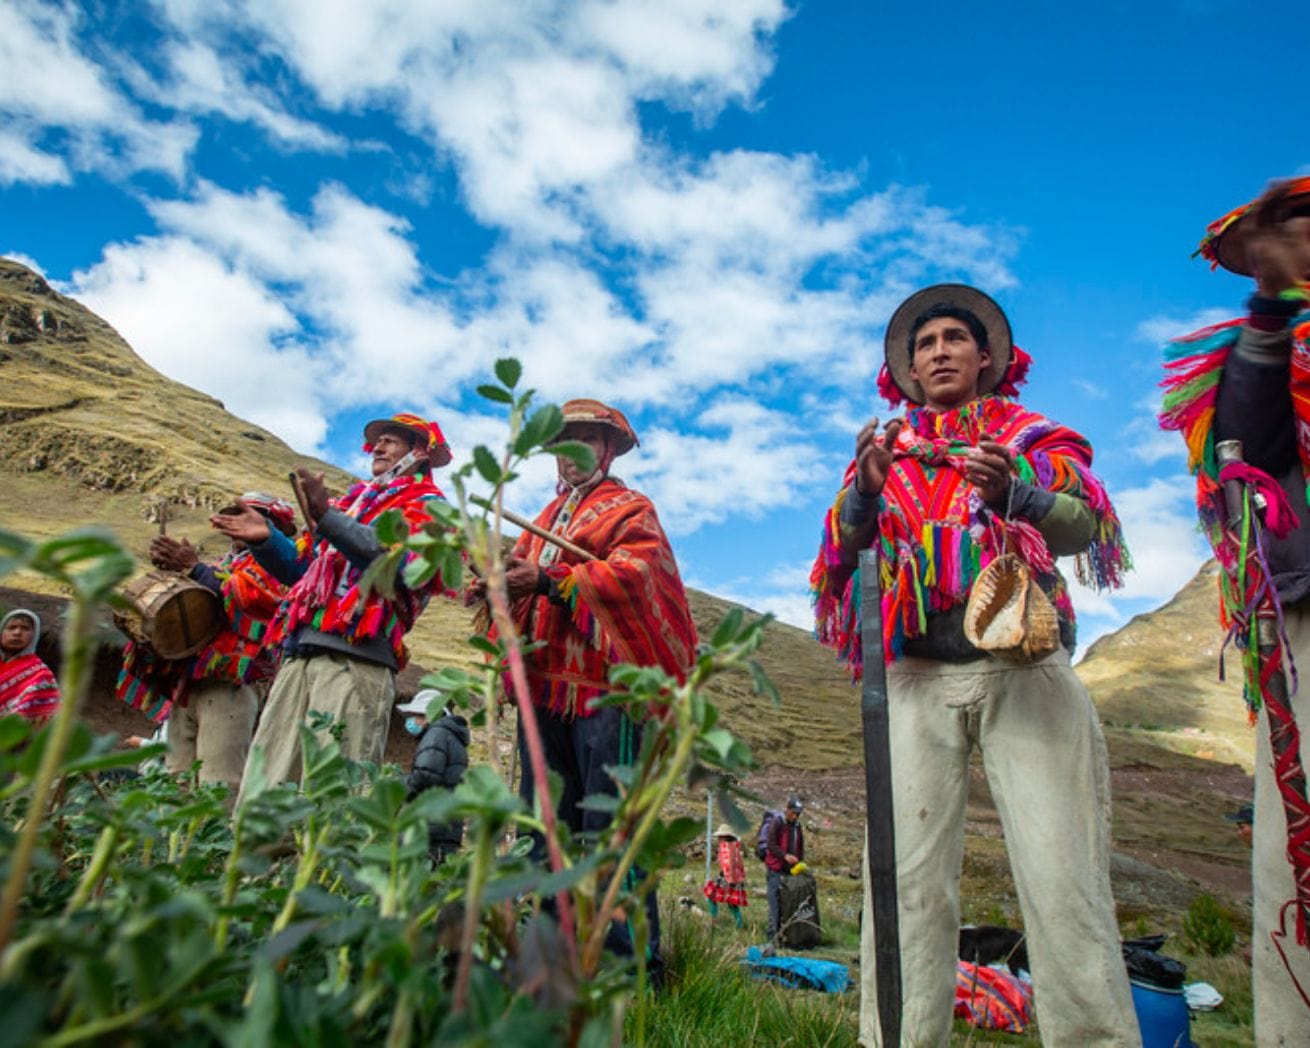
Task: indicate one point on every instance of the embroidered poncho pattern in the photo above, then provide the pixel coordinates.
(327, 597)
(935, 535)
(627, 606)
(27, 688)
(239, 653)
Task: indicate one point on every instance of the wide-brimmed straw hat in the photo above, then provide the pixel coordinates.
(429, 435)
(896, 344)
(726, 831)
(596, 413)
(1225, 238)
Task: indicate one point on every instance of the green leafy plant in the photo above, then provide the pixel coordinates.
(1207, 929)
(142, 912)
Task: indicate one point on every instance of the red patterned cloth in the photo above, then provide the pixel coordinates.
(239, 653)
(28, 688)
(730, 885)
(327, 597)
(936, 535)
(627, 606)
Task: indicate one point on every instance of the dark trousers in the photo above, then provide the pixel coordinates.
(772, 880)
(578, 749)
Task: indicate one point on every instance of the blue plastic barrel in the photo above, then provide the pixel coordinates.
(1162, 1016)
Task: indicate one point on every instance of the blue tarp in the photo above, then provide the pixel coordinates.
(799, 973)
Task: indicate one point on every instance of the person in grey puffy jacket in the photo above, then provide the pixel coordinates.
(440, 762)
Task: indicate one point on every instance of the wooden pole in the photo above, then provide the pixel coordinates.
(541, 533)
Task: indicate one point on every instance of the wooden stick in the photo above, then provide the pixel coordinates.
(301, 501)
(541, 533)
(163, 517)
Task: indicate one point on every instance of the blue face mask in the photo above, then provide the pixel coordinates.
(414, 725)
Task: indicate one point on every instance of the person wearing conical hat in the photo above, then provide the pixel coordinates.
(342, 646)
(27, 686)
(210, 700)
(965, 476)
(627, 605)
(1248, 380)
(728, 886)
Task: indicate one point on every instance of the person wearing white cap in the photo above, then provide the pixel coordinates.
(440, 761)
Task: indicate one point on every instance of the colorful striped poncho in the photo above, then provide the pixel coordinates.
(1194, 371)
(1194, 367)
(28, 688)
(327, 597)
(935, 535)
(238, 654)
(627, 606)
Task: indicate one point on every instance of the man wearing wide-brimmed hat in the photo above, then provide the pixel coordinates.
(944, 493)
(211, 699)
(1248, 380)
(625, 606)
(341, 647)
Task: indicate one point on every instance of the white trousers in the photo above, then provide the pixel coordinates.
(214, 727)
(358, 694)
(1045, 759)
(1281, 1017)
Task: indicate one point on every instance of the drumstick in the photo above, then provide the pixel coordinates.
(163, 517)
(541, 533)
(301, 501)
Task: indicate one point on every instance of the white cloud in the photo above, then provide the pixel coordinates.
(218, 330)
(1161, 329)
(1159, 523)
(64, 112)
(745, 459)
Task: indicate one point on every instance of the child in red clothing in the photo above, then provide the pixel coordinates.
(729, 887)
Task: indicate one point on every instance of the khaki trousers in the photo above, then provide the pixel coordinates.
(354, 692)
(1046, 764)
(1281, 1017)
(214, 727)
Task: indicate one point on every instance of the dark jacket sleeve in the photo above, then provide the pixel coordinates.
(206, 576)
(277, 555)
(357, 542)
(774, 845)
(1255, 400)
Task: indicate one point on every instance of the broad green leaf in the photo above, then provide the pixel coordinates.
(728, 629)
(495, 393)
(508, 370)
(486, 464)
(578, 453)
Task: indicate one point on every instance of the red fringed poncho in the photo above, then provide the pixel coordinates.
(239, 653)
(936, 535)
(627, 606)
(327, 597)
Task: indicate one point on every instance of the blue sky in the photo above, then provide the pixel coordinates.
(702, 210)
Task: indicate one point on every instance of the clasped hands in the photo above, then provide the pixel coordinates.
(989, 466)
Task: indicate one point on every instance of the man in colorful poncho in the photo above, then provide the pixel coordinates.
(27, 687)
(342, 647)
(1249, 380)
(965, 475)
(211, 700)
(626, 606)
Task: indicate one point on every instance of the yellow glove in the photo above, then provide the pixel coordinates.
(799, 868)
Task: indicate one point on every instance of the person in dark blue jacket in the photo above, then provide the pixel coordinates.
(439, 763)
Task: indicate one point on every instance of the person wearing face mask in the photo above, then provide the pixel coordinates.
(342, 643)
(27, 687)
(627, 605)
(440, 762)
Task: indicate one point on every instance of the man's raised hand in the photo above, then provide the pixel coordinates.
(873, 456)
(171, 555)
(248, 526)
